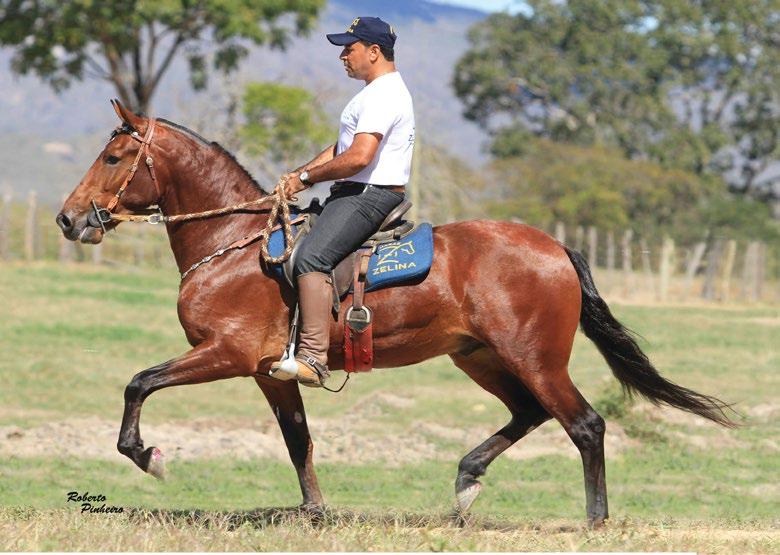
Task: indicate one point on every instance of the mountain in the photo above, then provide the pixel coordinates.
(47, 141)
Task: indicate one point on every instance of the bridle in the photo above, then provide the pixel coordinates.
(280, 210)
(102, 216)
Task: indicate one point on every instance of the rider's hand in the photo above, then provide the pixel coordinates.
(292, 184)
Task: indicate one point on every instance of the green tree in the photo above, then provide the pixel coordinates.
(598, 186)
(569, 71)
(693, 84)
(724, 72)
(283, 126)
(131, 43)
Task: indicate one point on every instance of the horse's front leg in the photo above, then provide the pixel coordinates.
(285, 400)
(207, 362)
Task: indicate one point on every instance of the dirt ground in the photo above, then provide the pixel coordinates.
(336, 440)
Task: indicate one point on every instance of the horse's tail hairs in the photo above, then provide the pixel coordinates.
(629, 364)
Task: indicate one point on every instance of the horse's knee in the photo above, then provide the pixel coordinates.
(587, 432)
(138, 388)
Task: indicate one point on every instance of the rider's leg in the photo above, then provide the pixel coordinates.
(346, 222)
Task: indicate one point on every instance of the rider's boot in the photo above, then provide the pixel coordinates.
(315, 297)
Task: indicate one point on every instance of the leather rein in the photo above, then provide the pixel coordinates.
(99, 217)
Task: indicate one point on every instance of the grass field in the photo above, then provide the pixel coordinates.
(386, 448)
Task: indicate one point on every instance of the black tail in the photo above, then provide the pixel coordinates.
(629, 364)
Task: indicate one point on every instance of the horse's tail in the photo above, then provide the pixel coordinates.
(629, 364)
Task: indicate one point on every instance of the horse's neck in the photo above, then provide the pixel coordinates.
(206, 179)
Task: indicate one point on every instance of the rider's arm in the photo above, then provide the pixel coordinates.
(325, 156)
(359, 155)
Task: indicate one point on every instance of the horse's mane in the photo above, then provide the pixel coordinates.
(216, 146)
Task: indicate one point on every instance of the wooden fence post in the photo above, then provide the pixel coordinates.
(138, 251)
(665, 266)
(593, 242)
(760, 269)
(31, 227)
(693, 266)
(713, 259)
(579, 236)
(748, 272)
(67, 248)
(647, 269)
(610, 250)
(625, 248)
(97, 253)
(5, 225)
(560, 232)
(728, 266)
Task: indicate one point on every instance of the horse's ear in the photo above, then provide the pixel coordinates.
(127, 116)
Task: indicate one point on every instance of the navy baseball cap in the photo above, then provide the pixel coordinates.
(370, 29)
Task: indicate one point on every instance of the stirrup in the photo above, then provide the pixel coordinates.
(306, 370)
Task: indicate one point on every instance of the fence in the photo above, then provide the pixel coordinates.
(638, 268)
(28, 232)
(627, 266)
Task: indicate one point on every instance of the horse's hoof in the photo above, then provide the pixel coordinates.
(156, 463)
(467, 496)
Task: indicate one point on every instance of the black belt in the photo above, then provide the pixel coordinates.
(350, 185)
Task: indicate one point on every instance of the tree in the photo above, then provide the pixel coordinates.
(598, 186)
(283, 126)
(569, 71)
(131, 43)
(693, 84)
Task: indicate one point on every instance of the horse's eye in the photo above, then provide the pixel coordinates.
(112, 160)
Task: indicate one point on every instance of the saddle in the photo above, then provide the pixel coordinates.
(399, 252)
(393, 228)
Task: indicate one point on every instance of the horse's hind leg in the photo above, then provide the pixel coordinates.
(204, 363)
(527, 414)
(555, 391)
(287, 405)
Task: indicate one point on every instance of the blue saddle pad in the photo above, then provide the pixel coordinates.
(394, 262)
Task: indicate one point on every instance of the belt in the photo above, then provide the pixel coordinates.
(349, 184)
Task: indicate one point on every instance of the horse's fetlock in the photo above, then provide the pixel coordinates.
(471, 469)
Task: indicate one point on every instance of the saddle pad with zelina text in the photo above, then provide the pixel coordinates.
(394, 262)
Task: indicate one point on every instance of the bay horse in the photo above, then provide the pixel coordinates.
(502, 299)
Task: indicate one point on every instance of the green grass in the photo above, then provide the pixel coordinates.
(73, 336)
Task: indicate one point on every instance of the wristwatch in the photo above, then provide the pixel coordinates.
(304, 177)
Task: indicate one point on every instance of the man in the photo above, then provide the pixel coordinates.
(370, 163)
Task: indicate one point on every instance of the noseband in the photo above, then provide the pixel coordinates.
(99, 217)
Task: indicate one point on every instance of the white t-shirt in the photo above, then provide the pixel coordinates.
(383, 106)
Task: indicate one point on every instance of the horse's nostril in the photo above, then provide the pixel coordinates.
(64, 222)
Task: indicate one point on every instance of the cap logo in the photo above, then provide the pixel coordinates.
(351, 28)
(392, 31)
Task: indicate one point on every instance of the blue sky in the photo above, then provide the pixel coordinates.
(485, 5)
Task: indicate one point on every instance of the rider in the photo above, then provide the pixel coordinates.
(370, 164)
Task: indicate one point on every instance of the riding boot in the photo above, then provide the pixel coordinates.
(315, 298)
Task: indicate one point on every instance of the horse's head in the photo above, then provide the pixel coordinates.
(80, 216)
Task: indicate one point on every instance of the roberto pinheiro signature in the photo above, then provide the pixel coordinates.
(90, 503)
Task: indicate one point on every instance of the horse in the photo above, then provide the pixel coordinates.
(503, 300)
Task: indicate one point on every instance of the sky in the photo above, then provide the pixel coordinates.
(485, 5)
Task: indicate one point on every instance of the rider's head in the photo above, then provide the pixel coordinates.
(368, 47)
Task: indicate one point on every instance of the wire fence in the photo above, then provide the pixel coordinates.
(626, 265)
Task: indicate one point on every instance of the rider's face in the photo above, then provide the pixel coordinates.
(357, 59)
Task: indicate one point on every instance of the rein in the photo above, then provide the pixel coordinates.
(105, 215)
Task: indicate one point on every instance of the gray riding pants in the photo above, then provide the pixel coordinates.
(352, 214)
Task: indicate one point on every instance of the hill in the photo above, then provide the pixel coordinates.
(47, 141)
